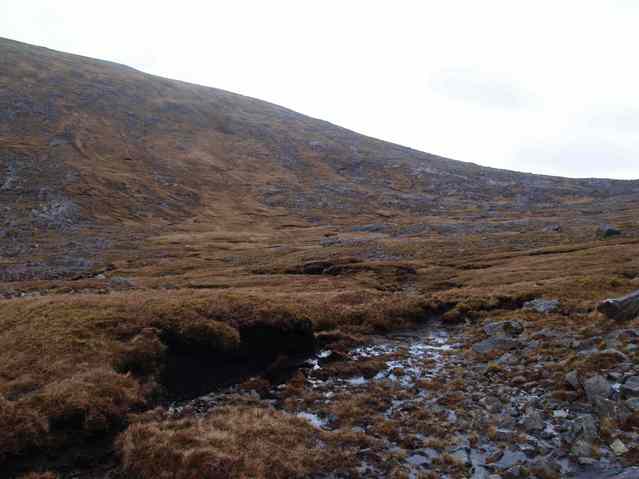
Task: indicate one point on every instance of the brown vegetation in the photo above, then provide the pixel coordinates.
(232, 443)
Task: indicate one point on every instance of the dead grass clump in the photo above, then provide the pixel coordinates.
(212, 336)
(384, 312)
(631, 423)
(472, 308)
(599, 361)
(359, 409)
(338, 340)
(143, 355)
(93, 401)
(387, 429)
(234, 442)
(21, 428)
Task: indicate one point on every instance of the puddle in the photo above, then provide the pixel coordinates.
(314, 419)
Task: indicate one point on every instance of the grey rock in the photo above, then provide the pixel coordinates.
(605, 407)
(543, 306)
(597, 387)
(495, 344)
(491, 403)
(533, 421)
(503, 328)
(621, 309)
(584, 427)
(511, 458)
(632, 404)
(480, 472)
(608, 231)
(572, 378)
(555, 228)
(507, 359)
(630, 388)
(505, 435)
(581, 448)
(418, 460)
(619, 448)
(461, 456)
(631, 473)
(615, 376)
(121, 282)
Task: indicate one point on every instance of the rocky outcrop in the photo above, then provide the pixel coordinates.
(621, 309)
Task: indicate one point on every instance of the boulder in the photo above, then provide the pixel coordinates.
(597, 387)
(620, 309)
(584, 427)
(632, 404)
(572, 378)
(606, 408)
(581, 448)
(608, 231)
(497, 344)
(533, 421)
(630, 388)
(541, 305)
(503, 328)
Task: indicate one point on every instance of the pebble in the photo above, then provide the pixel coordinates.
(581, 449)
(619, 448)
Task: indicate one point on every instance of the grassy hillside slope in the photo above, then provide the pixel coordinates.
(144, 217)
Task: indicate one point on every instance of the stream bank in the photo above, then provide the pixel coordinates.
(434, 411)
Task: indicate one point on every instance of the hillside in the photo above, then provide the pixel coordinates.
(94, 153)
(161, 241)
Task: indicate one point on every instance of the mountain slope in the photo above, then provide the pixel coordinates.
(88, 146)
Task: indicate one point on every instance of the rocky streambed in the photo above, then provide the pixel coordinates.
(433, 408)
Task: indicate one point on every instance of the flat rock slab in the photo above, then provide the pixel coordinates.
(495, 344)
(543, 306)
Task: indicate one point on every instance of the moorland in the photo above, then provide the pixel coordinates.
(198, 284)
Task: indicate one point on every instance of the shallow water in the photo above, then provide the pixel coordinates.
(410, 361)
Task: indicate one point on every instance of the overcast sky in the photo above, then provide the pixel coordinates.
(541, 86)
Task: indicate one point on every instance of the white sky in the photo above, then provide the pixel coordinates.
(542, 86)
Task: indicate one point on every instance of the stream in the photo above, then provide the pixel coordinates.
(430, 409)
